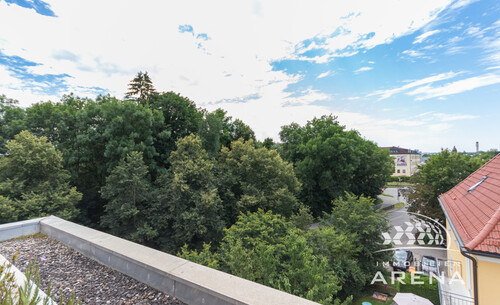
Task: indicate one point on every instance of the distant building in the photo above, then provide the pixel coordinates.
(405, 160)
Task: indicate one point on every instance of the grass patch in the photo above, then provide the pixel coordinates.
(399, 205)
(372, 301)
(386, 195)
(398, 184)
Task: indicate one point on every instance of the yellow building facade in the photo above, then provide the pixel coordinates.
(406, 161)
(472, 211)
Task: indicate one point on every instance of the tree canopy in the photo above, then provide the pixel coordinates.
(188, 208)
(437, 176)
(141, 88)
(330, 161)
(156, 169)
(33, 180)
(256, 178)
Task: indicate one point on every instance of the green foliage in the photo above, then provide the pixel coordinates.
(29, 293)
(425, 290)
(269, 143)
(203, 257)
(33, 180)
(256, 178)
(303, 219)
(330, 161)
(437, 176)
(219, 130)
(188, 209)
(356, 251)
(94, 136)
(141, 88)
(8, 211)
(12, 120)
(129, 194)
(399, 179)
(485, 156)
(268, 249)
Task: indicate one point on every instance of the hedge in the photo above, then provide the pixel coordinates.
(426, 290)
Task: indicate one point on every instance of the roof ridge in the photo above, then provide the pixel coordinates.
(497, 156)
(481, 236)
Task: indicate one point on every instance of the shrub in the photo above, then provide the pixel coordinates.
(425, 290)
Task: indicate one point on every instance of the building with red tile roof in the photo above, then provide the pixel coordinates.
(472, 210)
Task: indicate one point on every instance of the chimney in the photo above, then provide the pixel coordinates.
(477, 146)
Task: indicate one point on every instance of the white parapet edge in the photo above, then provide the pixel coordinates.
(21, 281)
(189, 282)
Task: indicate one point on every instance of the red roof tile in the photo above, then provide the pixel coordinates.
(476, 214)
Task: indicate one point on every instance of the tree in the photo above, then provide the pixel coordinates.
(219, 130)
(256, 178)
(330, 161)
(268, 249)
(180, 119)
(141, 88)
(12, 120)
(33, 180)
(356, 255)
(129, 194)
(188, 209)
(211, 132)
(269, 143)
(437, 176)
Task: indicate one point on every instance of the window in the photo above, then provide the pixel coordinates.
(404, 171)
(399, 171)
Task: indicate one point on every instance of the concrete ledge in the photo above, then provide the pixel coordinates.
(187, 281)
(20, 228)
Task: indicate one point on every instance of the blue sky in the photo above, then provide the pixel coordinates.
(416, 74)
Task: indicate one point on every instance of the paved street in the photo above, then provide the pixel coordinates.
(399, 219)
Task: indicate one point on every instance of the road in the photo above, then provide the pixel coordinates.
(399, 219)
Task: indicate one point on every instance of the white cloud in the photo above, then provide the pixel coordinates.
(383, 94)
(462, 3)
(439, 127)
(425, 35)
(122, 37)
(427, 92)
(362, 69)
(324, 74)
(413, 53)
(372, 25)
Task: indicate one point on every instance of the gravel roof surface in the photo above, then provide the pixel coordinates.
(68, 270)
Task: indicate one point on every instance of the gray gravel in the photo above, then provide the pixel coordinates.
(69, 271)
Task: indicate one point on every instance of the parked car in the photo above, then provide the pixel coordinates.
(402, 259)
(429, 264)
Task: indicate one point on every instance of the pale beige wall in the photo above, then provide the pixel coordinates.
(458, 261)
(412, 162)
(488, 279)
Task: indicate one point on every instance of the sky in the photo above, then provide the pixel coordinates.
(416, 74)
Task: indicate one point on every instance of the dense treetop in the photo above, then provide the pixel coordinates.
(156, 169)
(330, 161)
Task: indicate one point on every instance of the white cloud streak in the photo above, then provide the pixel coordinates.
(324, 74)
(383, 94)
(459, 86)
(424, 36)
(363, 69)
